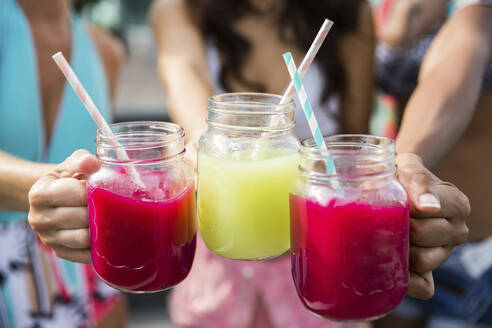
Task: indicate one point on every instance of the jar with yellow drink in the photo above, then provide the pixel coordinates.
(247, 165)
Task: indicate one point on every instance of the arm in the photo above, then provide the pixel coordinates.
(182, 65)
(357, 55)
(16, 178)
(449, 86)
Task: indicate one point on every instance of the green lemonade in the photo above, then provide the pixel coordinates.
(243, 204)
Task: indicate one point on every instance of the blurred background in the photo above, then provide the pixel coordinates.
(139, 97)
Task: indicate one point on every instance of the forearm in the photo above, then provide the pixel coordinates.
(187, 95)
(443, 104)
(436, 116)
(182, 64)
(16, 178)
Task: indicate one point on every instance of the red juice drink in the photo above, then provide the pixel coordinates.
(140, 242)
(142, 211)
(349, 218)
(349, 259)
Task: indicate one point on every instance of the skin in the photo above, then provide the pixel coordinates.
(449, 85)
(447, 119)
(434, 230)
(447, 106)
(50, 28)
(183, 65)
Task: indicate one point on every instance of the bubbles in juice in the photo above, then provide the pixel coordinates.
(349, 259)
(142, 240)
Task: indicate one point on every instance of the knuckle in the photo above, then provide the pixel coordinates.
(48, 241)
(464, 205)
(462, 234)
(37, 197)
(420, 262)
(36, 221)
(427, 292)
(79, 152)
(420, 177)
(416, 229)
(83, 238)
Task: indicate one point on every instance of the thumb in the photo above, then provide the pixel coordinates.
(81, 162)
(419, 183)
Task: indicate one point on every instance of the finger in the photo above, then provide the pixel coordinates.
(52, 192)
(454, 203)
(81, 162)
(421, 286)
(436, 232)
(59, 218)
(419, 184)
(425, 259)
(74, 255)
(73, 238)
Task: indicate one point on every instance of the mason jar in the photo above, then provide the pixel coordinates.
(142, 208)
(247, 163)
(349, 228)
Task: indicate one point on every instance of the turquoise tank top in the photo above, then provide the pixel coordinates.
(21, 116)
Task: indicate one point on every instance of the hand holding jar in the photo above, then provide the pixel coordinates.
(142, 233)
(437, 221)
(58, 207)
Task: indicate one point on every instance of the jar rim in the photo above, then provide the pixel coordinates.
(373, 155)
(145, 143)
(236, 103)
(146, 133)
(334, 144)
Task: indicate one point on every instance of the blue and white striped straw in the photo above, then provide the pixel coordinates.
(306, 107)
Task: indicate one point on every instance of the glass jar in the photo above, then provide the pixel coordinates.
(142, 209)
(349, 229)
(247, 164)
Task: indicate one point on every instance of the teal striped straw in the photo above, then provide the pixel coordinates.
(308, 110)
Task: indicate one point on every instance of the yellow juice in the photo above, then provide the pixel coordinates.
(243, 204)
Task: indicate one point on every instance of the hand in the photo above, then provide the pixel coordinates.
(58, 207)
(437, 222)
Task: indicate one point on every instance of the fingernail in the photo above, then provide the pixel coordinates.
(429, 200)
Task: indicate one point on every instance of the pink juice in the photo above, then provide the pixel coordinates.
(349, 259)
(142, 241)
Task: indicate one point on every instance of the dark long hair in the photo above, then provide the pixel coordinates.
(302, 17)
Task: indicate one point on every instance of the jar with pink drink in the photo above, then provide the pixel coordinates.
(349, 229)
(142, 208)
